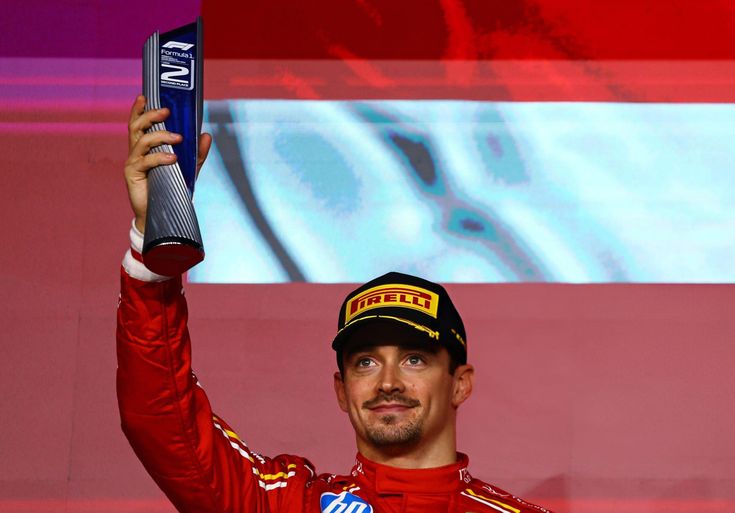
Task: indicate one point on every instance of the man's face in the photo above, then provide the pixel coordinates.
(397, 392)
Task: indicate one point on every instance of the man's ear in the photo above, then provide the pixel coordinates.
(339, 390)
(464, 378)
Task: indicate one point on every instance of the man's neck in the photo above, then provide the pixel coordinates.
(416, 456)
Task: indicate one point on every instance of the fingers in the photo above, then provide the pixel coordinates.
(140, 143)
(148, 141)
(142, 123)
(141, 120)
(138, 108)
(137, 169)
(140, 160)
(205, 143)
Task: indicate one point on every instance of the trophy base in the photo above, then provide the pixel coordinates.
(172, 257)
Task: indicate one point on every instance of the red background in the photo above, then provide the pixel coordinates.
(590, 398)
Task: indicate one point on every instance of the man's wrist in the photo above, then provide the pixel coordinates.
(139, 224)
(136, 237)
(133, 260)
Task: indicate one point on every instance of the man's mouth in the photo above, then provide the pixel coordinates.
(390, 408)
(383, 404)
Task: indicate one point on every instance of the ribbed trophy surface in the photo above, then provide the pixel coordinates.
(172, 240)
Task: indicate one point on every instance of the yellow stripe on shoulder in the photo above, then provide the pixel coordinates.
(228, 431)
(233, 435)
(279, 475)
(271, 477)
(494, 501)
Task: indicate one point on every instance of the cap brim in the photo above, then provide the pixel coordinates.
(368, 321)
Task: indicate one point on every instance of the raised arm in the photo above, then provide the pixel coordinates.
(195, 458)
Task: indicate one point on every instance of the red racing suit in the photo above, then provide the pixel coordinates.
(203, 466)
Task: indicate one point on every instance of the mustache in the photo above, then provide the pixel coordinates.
(392, 399)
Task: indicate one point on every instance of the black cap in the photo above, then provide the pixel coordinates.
(405, 299)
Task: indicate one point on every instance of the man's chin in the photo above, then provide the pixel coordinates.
(392, 432)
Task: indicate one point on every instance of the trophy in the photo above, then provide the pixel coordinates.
(172, 78)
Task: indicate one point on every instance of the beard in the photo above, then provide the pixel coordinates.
(389, 430)
(388, 433)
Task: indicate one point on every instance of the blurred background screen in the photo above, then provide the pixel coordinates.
(468, 191)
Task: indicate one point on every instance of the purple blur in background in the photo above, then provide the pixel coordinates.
(98, 29)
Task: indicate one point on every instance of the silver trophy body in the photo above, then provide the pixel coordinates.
(172, 78)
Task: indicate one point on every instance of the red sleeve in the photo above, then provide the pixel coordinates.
(194, 457)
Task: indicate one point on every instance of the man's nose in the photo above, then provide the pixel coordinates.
(390, 380)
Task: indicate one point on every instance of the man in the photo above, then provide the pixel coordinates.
(403, 372)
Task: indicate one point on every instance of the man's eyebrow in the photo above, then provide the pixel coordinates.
(415, 346)
(359, 349)
(421, 348)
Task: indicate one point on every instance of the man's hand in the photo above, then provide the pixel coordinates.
(140, 162)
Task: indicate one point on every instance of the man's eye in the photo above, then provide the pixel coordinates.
(415, 360)
(364, 362)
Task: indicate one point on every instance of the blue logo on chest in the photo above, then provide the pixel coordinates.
(345, 502)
